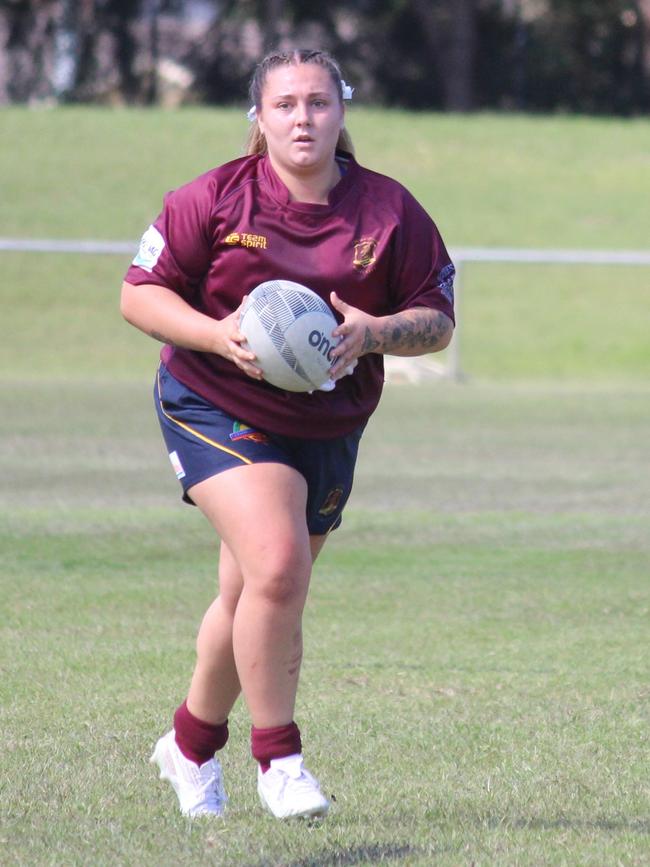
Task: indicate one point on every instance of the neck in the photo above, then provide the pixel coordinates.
(311, 187)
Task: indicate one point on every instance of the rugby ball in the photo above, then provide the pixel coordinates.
(289, 328)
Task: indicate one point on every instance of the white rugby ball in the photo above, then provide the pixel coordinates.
(289, 328)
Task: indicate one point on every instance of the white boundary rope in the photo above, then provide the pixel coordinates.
(460, 256)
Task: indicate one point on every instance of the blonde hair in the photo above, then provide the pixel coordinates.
(256, 142)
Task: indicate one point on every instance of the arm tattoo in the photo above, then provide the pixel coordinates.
(161, 337)
(416, 329)
(370, 343)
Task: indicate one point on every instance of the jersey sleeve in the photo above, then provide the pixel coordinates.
(422, 273)
(175, 251)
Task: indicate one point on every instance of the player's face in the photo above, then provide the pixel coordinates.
(301, 117)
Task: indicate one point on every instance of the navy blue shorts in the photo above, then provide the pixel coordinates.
(203, 441)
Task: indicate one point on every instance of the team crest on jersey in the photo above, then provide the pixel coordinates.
(331, 502)
(364, 253)
(242, 431)
(246, 239)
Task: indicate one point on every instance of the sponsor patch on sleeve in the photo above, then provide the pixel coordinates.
(151, 246)
(446, 282)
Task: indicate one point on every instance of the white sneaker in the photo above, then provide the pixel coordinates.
(199, 788)
(288, 790)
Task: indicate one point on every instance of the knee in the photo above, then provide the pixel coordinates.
(282, 577)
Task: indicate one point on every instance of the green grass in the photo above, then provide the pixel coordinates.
(487, 180)
(475, 684)
(475, 680)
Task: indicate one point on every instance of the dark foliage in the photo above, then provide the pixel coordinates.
(568, 55)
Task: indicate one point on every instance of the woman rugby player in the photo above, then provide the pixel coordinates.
(272, 470)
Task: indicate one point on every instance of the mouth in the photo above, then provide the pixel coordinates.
(303, 139)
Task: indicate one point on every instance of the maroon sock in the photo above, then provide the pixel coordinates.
(196, 739)
(275, 743)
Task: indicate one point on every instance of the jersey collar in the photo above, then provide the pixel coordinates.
(280, 193)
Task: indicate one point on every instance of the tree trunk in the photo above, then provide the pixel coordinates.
(272, 24)
(644, 51)
(450, 29)
(459, 82)
(29, 55)
(86, 56)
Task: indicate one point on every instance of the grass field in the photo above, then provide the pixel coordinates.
(475, 685)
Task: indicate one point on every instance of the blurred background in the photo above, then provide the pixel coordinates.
(488, 591)
(588, 56)
(518, 124)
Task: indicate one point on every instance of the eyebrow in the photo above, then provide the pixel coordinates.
(291, 95)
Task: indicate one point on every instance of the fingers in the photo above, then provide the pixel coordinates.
(344, 356)
(348, 347)
(249, 369)
(244, 358)
(341, 369)
(232, 345)
(337, 304)
(252, 371)
(239, 338)
(347, 311)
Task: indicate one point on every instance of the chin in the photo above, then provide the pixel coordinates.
(305, 161)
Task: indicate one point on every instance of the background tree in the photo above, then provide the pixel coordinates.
(533, 55)
(450, 34)
(29, 28)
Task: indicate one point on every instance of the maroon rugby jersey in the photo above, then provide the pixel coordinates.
(235, 227)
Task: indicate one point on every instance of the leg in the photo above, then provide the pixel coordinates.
(214, 689)
(215, 683)
(259, 512)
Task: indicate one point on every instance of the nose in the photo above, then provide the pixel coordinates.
(302, 114)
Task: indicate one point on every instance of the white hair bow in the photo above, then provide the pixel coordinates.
(346, 90)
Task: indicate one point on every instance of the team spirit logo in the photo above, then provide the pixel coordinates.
(241, 431)
(331, 502)
(246, 239)
(364, 253)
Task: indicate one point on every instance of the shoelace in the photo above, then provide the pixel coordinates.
(304, 783)
(210, 790)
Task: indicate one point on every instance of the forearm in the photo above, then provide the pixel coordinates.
(165, 316)
(410, 332)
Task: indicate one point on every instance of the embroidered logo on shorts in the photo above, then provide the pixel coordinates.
(177, 465)
(331, 502)
(151, 246)
(364, 253)
(241, 431)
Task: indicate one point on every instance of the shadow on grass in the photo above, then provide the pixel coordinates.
(375, 853)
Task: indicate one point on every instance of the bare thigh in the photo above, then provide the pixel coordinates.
(259, 513)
